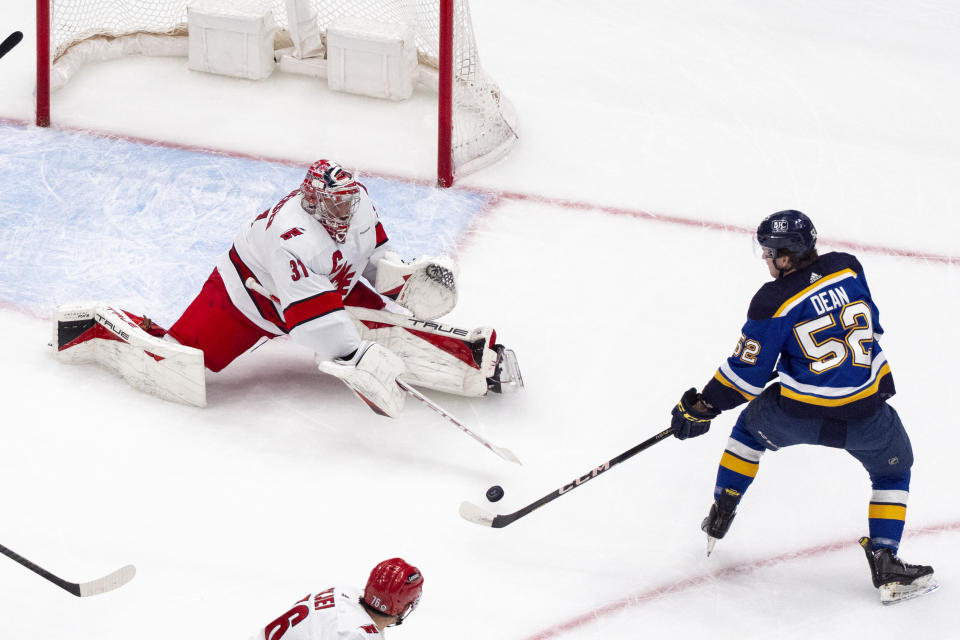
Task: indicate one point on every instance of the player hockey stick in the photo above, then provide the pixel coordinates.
(503, 452)
(475, 514)
(109, 582)
(10, 42)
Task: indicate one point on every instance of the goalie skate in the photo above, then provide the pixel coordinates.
(506, 374)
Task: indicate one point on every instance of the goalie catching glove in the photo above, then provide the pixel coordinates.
(427, 287)
(371, 372)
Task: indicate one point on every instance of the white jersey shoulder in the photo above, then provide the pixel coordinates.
(331, 614)
(295, 264)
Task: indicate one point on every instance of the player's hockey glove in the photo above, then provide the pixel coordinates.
(692, 416)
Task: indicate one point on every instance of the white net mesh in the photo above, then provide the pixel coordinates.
(483, 120)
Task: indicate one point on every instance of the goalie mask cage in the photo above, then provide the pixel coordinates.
(476, 123)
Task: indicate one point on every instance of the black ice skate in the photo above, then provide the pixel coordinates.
(722, 512)
(897, 580)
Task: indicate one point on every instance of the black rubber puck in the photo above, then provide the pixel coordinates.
(494, 493)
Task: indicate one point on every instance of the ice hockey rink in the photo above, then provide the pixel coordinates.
(611, 249)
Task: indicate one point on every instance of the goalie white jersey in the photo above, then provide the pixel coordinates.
(331, 614)
(288, 276)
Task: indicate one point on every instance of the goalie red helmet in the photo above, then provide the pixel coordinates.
(331, 196)
(394, 588)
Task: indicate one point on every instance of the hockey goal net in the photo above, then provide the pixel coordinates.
(477, 124)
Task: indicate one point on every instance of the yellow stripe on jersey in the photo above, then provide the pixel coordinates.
(722, 379)
(888, 511)
(737, 465)
(819, 284)
(836, 402)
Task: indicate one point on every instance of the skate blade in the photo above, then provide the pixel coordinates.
(508, 378)
(711, 542)
(511, 371)
(894, 593)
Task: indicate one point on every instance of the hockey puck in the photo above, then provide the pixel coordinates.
(494, 493)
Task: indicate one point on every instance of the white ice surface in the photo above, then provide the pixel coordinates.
(704, 113)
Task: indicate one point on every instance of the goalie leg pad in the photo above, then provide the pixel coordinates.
(371, 373)
(442, 357)
(98, 333)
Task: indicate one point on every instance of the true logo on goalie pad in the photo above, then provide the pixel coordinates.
(438, 327)
(109, 325)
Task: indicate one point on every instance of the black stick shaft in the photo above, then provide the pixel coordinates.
(60, 582)
(504, 520)
(10, 42)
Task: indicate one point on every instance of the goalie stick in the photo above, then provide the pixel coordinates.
(503, 452)
(475, 514)
(10, 42)
(108, 582)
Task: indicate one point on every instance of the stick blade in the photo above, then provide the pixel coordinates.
(109, 582)
(506, 454)
(476, 515)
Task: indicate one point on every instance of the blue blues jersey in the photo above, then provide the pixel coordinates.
(817, 328)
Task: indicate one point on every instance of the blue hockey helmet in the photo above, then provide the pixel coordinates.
(790, 230)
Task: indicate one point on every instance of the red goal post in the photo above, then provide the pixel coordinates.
(476, 122)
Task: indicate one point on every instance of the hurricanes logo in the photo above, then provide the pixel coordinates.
(341, 274)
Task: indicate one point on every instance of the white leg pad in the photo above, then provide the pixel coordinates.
(437, 356)
(98, 333)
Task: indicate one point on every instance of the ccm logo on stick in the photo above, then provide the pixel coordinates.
(590, 476)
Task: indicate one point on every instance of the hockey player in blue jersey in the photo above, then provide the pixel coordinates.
(814, 328)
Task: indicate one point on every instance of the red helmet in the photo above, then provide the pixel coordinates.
(394, 588)
(331, 195)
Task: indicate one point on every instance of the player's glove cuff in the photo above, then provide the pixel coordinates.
(688, 420)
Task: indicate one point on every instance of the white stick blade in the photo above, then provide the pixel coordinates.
(110, 582)
(476, 515)
(506, 454)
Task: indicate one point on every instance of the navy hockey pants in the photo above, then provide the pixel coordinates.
(879, 441)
